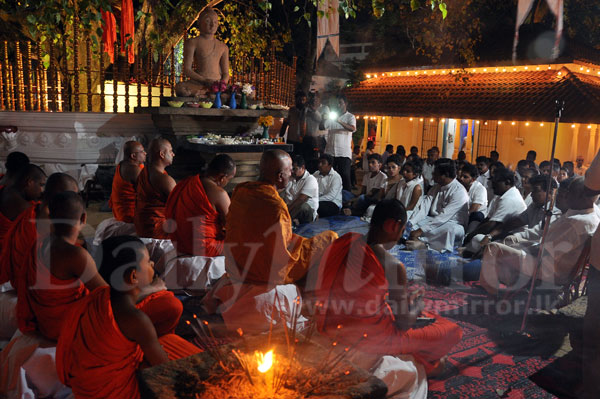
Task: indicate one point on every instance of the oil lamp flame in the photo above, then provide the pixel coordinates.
(265, 362)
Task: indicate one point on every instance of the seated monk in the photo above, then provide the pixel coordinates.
(260, 248)
(108, 337)
(358, 270)
(153, 188)
(59, 272)
(15, 162)
(21, 235)
(211, 57)
(122, 197)
(199, 206)
(24, 188)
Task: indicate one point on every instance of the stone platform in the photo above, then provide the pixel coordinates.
(187, 121)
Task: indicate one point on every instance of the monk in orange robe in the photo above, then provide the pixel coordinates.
(199, 206)
(363, 288)
(122, 197)
(23, 188)
(153, 188)
(19, 205)
(15, 163)
(59, 272)
(260, 248)
(103, 346)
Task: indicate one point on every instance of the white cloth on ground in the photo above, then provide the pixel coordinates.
(28, 369)
(404, 377)
(112, 227)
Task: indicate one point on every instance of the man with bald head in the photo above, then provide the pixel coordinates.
(25, 186)
(199, 206)
(153, 188)
(15, 162)
(260, 249)
(122, 197)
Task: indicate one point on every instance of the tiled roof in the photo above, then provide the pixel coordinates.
(521, 95)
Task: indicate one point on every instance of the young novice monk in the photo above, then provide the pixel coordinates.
(358, 270)
(108, 337)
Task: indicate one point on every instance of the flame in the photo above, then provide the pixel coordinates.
(265, 361)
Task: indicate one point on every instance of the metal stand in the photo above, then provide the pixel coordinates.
(560, 105)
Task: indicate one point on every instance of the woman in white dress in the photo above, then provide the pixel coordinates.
(411, 191)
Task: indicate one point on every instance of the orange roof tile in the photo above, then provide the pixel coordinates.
(522, 95)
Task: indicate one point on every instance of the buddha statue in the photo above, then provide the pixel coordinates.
(211, 57)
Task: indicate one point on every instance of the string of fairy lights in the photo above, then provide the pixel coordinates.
(443, 120)
(593, 71)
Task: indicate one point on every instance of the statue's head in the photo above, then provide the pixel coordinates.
(208, 22)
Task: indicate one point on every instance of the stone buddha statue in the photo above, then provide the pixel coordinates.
(211, 57)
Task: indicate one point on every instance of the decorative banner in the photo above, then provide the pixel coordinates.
(328, 26)
(127, 29)
(523, 10)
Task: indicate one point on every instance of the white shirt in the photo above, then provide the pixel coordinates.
(379, 181)
(330, 187)
(306, 185)
(532, 220)
(478, 195)
(339, 140)
(443, 204)
(565, 240)
(428, 173)
(486, 182)
(510, 204)
(405, 192)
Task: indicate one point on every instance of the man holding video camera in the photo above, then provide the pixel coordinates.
(341, 125)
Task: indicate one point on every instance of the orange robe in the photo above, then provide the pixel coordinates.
(260, 246)
(96, 360)
(163, 309)
(199, 231)
(352, 291)
(149, 209)
(43, 301)
(122, 198)
(17, 245)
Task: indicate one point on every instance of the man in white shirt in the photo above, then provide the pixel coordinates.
(302, 193)
(389, 150)
(477, 196)
(440, 218)
(339, 141)
(330, 187)
(579, 168)
(428, 167)
(564, 243)
(483, 166)
(507, 204)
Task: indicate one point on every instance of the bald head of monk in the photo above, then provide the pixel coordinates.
(577, 197)
(160, 152)
(67, 210)
(276, 168)
(134, 152)
(221, 169)
(15, 162)
(30, 182)
(387, 223)
(58, 183)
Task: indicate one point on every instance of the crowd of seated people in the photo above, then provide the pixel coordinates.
(115, 301)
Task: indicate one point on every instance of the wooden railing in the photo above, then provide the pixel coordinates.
(88, 82)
